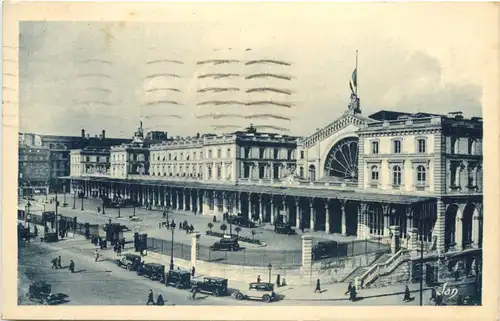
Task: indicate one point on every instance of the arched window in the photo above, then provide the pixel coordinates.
(219, 173)
(209, 172)
(312, 173)
(301, 172)
(421, 175)
(472, 147)
(374, 171)
(396, 176)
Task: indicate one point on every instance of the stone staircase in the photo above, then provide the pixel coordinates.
(400, 275)
(362, 269)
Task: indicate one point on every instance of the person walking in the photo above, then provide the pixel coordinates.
(349, 287)
(278, 280)
(406, 297)
(193, 270)
(54, 264)
(119, 250)
(258, 278)
(59, 262)
(150, 298)
(433, 295)
(36, 231)
(318, 287)
(159, 300)
(96, 254)
(72, 266)
(439, 299)
(123, 243)
(352, 294)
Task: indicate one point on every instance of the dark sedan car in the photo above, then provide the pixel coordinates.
(154, 271)
(284, 229)
(213, 285)
(230, 244)
(181, 279)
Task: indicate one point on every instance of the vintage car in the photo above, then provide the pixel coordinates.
(213, 285)
(284, 229)
(42, 292)
(257, 291)
(329, 249)
(241, 220)
(154, 271)
(129, 261)
(229, 243)
(181, 279)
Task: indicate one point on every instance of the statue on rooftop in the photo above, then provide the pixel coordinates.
(354, 104)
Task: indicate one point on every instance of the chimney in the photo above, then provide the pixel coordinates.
(103, 134)
(83, 133)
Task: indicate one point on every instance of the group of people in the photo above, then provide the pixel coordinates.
(56, 264)
(159, 299)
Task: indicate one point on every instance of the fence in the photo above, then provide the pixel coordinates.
(334, 250)
(180, 250)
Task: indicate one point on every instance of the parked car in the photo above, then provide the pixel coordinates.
(213, 285)
(257, 291)
(230, 243)
(129, 261)
(329, 249)
(284, 229)
(241, 220)
(154, 271)
(181, 279)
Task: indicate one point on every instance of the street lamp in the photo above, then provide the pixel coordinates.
(74, 199)
(270, 268)
(103, 210)
(172, 248)
(82, 194)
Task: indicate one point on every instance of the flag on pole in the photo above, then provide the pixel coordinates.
(353, 83)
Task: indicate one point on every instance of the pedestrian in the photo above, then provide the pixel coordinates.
(460, 300)
(72, 266)
(439, 299)
(54, 264)
(96, 255)
(318, 287)
(352, 294)
(159, 300)
(123, 243)
(192, 271)
(258, 278)
(119, 250)
(98, 210)
(349, 287)
(215, 219)
(406, 297)
(433, 294)
(36, 231)
(150, 298)
(191, 228)
(59, 262)
(278, 280)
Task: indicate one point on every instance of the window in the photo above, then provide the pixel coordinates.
(276, 153)
(261, 152)
(97, 159)
(218, 153)
(374, 171)
(472, 147)
(421, 175)
(209, 153)
(301, 154)
(301, 172)
(209, 172)
(169, 156)
(374, 147)
(421, 146)
(87, 159)
(229, 152)
(396, 146)
(219, 173)
(312, 173)
(396, 176)
(182, 156)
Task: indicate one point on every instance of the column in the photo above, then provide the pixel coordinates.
(240, 202)
(343, 217)
(178, 200)
(224, 203)
(195, 239)
(194, 200)
(216, 203)
(409, 218)
(250, 206)
(307, 243)
(386, 223)
(204, 199)
(413, 242)
(298, 216)
(361, 222)
(272, 209)
(395, 245)
(475, 231)
(187, 193)
(313, 215)
(171, 194)
(327, 216)
(458, 231)
(261, 209)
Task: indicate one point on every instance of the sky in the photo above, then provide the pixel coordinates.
(105, 75)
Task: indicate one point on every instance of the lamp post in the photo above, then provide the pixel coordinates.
(103, 210)
(172, 248)
(270, 267)
(74, 199)
(82, 194)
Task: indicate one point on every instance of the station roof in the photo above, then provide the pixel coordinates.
(342, 194)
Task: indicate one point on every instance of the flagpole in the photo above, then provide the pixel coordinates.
(357, 73)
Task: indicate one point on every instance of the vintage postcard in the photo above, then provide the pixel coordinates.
(250, 161)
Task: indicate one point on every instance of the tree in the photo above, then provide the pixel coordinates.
(223, 228)
(210, 226)
(238, 230)
(253, 235)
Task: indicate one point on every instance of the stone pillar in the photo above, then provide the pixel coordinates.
(178, 200)
(249, 206)
(171, 199)
(272, 210)
(343, 216)
(216, 204)
(312, 215)
(261, 209)
(224, 203)
(194, 201)
(307, 244)
(395, 241)
(386, 224)
(459, 231)
(195, 239)
(439, 230)
(298, 215)
(361, 222)
(476, 237)
(327, 217)
(204, 205)
(413, 242)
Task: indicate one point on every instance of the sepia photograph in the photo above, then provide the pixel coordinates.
(322, 156)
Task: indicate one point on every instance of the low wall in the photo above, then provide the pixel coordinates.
(233, 272)
(336, 270)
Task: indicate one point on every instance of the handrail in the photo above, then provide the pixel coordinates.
(381, 268)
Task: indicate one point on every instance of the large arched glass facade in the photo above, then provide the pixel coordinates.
(342, 160)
